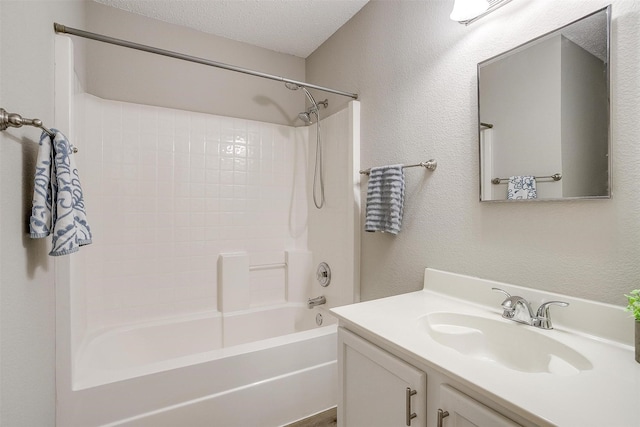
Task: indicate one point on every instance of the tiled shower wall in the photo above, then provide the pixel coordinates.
(167, 191)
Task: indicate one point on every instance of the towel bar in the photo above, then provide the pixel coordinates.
(555, 177)
(429, 164)
(17, 121)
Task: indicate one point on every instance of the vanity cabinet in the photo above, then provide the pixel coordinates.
(376, 388)
(459, 410)
(379, 389)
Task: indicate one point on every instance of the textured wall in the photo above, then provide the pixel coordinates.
(27, 298)
(127, 75)
(416, 73)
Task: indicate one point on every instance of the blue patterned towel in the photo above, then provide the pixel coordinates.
(58, 206)
(522, 187)
(385, 199)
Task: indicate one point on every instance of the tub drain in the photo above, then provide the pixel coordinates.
(319, 319)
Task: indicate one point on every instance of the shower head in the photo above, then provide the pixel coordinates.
(305, 117)
(295, 86)
(291, 86)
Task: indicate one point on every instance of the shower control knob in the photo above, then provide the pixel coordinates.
(323, 274)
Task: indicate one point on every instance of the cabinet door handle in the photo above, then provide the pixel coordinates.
(441, 416)
(409, 415)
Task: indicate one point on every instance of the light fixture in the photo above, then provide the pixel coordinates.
(464, 10)
(468, 11)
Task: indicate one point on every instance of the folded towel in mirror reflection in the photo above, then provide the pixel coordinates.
(385, 199)
(522, 187)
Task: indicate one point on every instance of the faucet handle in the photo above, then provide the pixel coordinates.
(508, 304)
(543, 316)
(503, 291)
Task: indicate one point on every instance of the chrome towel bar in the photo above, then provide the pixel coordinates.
(555, 177)
(17, 121)
(429, 164)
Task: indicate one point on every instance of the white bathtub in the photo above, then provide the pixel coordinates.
(179, 373)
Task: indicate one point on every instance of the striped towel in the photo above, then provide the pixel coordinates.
(385, 199)
(58, 205)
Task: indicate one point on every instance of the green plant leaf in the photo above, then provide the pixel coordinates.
(634, 303)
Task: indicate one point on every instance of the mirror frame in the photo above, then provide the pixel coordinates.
(607, 10)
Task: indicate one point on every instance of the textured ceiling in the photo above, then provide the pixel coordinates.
(590, 34)
(296, 27)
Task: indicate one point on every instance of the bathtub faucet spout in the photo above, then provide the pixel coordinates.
(312, 302)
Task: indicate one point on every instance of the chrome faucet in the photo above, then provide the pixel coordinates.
(542, 318)
(312, 302)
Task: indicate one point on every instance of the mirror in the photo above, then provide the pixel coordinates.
(544, 113)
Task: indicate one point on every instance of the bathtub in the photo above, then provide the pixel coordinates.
(207, 370)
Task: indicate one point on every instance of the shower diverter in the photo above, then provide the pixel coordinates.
(323, 274)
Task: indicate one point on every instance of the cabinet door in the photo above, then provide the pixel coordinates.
(463, 411)
(377, 389)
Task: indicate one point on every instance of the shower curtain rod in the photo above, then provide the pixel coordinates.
(59, 28)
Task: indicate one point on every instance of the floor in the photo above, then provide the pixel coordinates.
(327, 418)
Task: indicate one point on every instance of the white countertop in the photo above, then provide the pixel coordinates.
(608, 395)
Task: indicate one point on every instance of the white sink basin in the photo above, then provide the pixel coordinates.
(506, 343)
